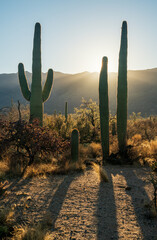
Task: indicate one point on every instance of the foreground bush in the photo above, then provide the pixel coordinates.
(24, 141)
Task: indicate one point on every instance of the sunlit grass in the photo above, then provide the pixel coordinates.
(101, 172)
(35, 232)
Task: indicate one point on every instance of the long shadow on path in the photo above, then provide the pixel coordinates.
(139, 195)
(106, 216)
(59, 196)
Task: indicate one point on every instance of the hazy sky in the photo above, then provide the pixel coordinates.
(76, 34)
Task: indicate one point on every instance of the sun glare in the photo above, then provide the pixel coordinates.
(95, 66)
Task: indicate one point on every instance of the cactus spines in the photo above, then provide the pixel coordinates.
(122, 91)
(36, 96)
(75, 145)
(66, 111)
(104, 108)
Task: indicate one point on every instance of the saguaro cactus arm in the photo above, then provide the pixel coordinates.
(23, 82)
(47, 86)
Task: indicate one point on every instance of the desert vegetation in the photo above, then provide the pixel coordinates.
(24, 144)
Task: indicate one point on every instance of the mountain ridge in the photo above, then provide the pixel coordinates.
(142, 86)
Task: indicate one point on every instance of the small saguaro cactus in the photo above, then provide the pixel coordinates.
(113, 126)
(75, 145)
(122, 91)
(37, 96)
(66, 111)
(104, 108)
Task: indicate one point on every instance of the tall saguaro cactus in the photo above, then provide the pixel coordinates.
(104, 108)
(37, 96)
(122, 91)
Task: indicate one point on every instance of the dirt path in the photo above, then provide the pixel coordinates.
(81, 207)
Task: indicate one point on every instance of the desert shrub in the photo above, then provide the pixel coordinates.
(87, 121)
(57, 123)
(145, 127)
(147, 152)
(28, 140)
(67, 127)
(136, 138)
(13, 113)
(83, 148)
(134, 116)
(85, 130)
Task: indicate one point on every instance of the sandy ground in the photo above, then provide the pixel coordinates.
(81, 207)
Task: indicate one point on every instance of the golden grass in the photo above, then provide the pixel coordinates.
(9, 228)
(40, 170)
(94, 150)
(101, 172)
(50, 169)
(35, 232)
(74, 166)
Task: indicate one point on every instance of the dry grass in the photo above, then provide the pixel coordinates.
(40, 170)
(74, 166)
(94, 150)
(7, 222)
(9, 229)
(101, 172)
(6, 216)
(39, 231)
(35, 232)
(37, 170)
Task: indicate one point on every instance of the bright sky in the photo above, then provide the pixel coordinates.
(76, 34)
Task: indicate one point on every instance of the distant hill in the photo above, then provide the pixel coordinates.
(142, 90)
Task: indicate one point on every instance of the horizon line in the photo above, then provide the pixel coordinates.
(56, 71)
